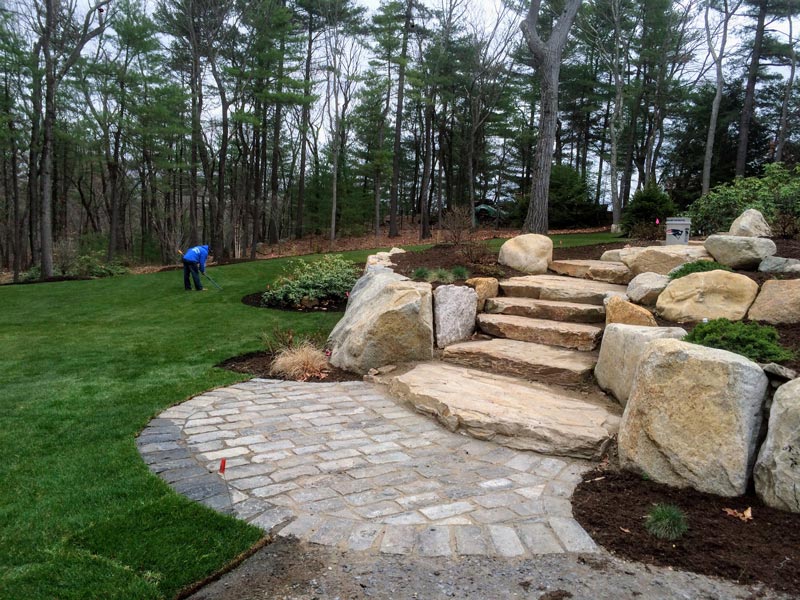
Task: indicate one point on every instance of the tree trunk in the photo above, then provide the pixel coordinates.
(787, 94)
(398, 126)
(750, 91)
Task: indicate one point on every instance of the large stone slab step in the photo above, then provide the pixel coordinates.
(517, 414)
(527, 360)
(546, 309)
(578, 336)
(564, 289)
(597, 270)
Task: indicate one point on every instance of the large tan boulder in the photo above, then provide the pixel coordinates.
(709, 295)
(529, 253)
(622, 311)
(778, 302)
(739, 252)
(454, 311)
(389, 319)
(777, 470)
(693, 417)
(750, 223)
(622, 348)
(485, 288)
(661, 259)
(645, 288)
(382, 260)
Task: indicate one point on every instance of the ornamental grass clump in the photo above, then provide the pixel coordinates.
(300, 362)
(307, 283)
(666, 522)
(698, 266)
(757, 342)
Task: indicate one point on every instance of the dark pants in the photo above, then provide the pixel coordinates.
(192, 267)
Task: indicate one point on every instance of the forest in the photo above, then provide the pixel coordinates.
(131, 129)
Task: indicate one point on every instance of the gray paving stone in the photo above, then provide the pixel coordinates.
(274, 489)
(505, 541)
(472, 540)
(284, 474)
(406, 518)
(388, 457)
(493, 515)
(343, 464)
(364, 536)
(572, 535)
(434, 541)
(398, 539)
(539, 538)
(378, 509)
(332, 532)
(443, 511)
(305, 495)
(302, 527)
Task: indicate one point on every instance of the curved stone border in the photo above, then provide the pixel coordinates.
(341, 464)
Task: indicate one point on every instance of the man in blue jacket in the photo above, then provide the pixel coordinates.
(194, 262)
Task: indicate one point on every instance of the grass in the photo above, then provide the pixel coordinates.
(85, 365)
(572, 240)
(666, 522)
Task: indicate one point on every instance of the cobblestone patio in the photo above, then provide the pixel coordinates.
(341, 464)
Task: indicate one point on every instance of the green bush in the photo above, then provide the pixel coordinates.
(93, 265)
(648, 204)
(421, 273)
(775, 195)
(698, 266)
(666, 522)
(569, 202)
(460, 273)
(329, 278)
(441, 275)
(757, 342)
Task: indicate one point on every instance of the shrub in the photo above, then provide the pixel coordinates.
(279, 339)
(757, 342)
(666, 522)
(93, 265)
(457, 224)
(441, 275)
(32, 274)
(774, 195)
(460, 273)
(329, 278)
(698, 266)
(647, 205)
(647, 231)
(421, 273)
(300, 362)
(475, 252)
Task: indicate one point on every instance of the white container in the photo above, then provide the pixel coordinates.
(678, 230)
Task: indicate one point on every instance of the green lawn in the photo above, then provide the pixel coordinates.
(84, 366)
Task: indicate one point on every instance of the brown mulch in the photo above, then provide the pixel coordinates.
(612, 507)
(328, 305)
(258, 364)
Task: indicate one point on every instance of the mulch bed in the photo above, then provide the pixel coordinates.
(327, 305)
(258, 364)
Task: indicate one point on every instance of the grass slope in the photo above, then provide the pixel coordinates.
(84, 366)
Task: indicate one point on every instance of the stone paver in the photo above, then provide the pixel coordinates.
(341, 464)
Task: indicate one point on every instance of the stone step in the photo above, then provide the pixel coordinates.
(527, 360)
(596, 270)
(579, 336)
(546, 309)
(559, 288)
(517, 414)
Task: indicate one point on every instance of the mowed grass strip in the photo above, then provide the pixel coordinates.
(84, 366)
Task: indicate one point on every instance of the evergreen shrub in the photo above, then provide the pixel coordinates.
(328, 279)
(648, 204)
(757, 342)
(698, 266)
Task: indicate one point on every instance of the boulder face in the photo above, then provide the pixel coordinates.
(693, 417)
(382, 260)
(709, 295)
(454, 311)
(645, 288)
(622, 348)
(621, 311)
(739, 252)
(778, 302)
(389, 319)
(529, 253)
(660, 259)
(485, 288)
(777, 471)
(776, 264)
(750, 223)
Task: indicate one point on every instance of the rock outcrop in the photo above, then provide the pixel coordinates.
(645, 288)
(709, 295)
(778, 302)
(739, 252)
(693, 417)
(621, 311)
(454, 311)
(529, 253)
(660, 259)
(485, 288)
(751, 223)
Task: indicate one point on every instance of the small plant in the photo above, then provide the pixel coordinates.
(279, 339)
(698, 266)
(460, 272)
(300, 362)
(421, 273)
(457, 224)
(757, 342)
(666, 522)
(441, 275)
(311, 282)
(475, 252)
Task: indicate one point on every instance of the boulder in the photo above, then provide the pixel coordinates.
(611, 255)
(622, 348)
(739, 252)
(389, 319)
(599, 270)
(382, 260)
(485, 288)
(661, 259)
(693, 417)
(750, 223)
(776, 264)
(622, 311)
(709, 295)
(777, 470)
(778, 302)
(646, 287)
(454, 311)
(529, 253)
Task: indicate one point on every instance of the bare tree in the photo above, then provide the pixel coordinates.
(547, 65)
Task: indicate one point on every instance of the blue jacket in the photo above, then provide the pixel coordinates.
(198, 254)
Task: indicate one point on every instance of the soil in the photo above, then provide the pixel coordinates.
(258, 364)
(326, 305)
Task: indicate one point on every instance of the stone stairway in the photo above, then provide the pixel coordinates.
(530, 385)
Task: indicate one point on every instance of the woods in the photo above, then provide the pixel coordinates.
(137, 128)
